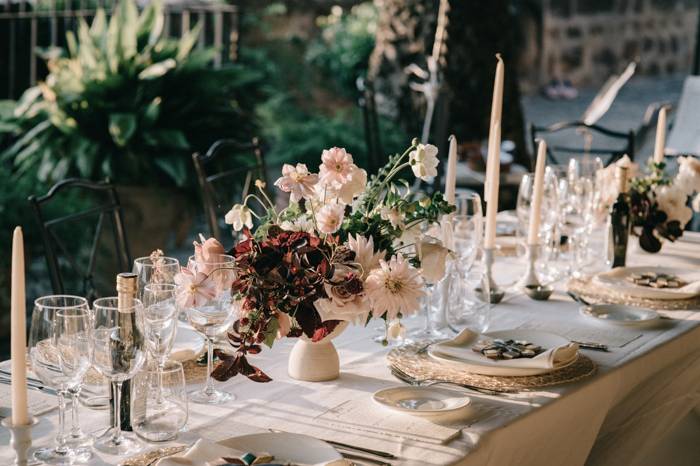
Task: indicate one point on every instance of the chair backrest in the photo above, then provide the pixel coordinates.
(685, 134)
(226, 175)
(58, 234)
(561, 148)
(367, 102)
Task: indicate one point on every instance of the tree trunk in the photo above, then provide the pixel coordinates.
(477, 30)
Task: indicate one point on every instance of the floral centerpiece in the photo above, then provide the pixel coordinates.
(345, 249)
(659, 202)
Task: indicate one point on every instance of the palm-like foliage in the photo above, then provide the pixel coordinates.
(125, 101)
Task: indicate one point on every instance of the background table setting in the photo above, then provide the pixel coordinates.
(503, 338)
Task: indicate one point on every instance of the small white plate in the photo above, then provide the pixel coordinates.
(294, 448)
(421, 400)
(619, 314)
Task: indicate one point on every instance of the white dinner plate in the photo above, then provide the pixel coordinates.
(619, 314)
(617, 280)
(188, 344)
(477, 363)
(294, 448)
(421, 401)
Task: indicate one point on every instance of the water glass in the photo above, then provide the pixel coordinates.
(60, 348)
(160, 311)
(119, 353)
(154, 269)
(159, 410)
(467, 230)
(213, 317)
(467, 306)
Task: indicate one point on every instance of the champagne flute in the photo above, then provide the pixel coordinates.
(156, 269)
(59, 350)
(212, 316)
(119, 353)
(160, 310)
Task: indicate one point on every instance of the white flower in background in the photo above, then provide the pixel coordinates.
(303, 223)
(688, 177)
(239, 216)
(433, 256)
(337, 168)
(672, 200)
(606, 183)
(424, 161)
(330, 217)
(364, 253)
(297, 181)
(395, 287)
(393, 214)
(355, 186)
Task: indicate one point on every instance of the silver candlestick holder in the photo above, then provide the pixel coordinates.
(20, 439)
(495, 294)
(530, 283)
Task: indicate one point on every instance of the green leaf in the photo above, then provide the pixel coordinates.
(271, 332)
(172, 138)
(187, 41)
(99, 24)
(71, 43)
(157, 70)
(30, 96)
(150, 116)
(129, 16)
(84, 157)
(121, 127)
(151, 23)
(174, 167)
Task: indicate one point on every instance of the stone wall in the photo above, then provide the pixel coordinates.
(588, 40)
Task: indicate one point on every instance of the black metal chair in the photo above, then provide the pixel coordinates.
(556, 152)
(224, 181)
(59, 235)
(367, 102)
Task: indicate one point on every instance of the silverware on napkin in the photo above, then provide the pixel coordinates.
(404, 377)
(591, 345)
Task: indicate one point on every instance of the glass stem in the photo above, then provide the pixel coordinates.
(161, 368)
(75, 424)
(117, 427)
(209, 390)
(61, 447)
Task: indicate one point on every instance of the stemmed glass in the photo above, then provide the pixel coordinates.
(119, 353)
(59, 349)
(211, 315)
(154, 269)
(160, 310)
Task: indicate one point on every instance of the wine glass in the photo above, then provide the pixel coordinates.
(155, 269)
(467, 230)
(119, 353)
(212, 316)
(59, 350)
(160, 309)
(160, 401)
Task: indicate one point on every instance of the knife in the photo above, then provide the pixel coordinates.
(592, 345)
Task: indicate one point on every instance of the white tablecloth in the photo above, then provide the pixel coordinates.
(613, 418)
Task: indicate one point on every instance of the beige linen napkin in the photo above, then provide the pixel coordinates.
(460, 347)
(207, 453)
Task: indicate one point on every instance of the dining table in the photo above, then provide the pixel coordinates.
(638, 392)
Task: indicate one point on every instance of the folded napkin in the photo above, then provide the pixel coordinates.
(460, 348)
(616, 279)
(207, 453)
(188, 344)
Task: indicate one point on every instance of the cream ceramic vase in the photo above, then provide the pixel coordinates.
(315, 362)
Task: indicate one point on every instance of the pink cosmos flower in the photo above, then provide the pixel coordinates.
(395, 287)
(193, 289)
(297, 181)
(337, 167)
(330, 217)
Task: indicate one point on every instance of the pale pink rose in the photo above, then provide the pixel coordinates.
(208, 250)
(330, 218)
(297, 181)
(193, 289)
(395, 287)
(336, 169)
(433, 256)
(688, 177)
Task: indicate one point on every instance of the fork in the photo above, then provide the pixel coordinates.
(404, 377)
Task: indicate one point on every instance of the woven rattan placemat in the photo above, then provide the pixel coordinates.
(596, 293)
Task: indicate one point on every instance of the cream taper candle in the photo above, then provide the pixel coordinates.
(18, 333)
(537, 191)
(494, 172)
(660, 142)
(496, 111)
(451, 172)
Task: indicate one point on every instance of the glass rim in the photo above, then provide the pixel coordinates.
(80, 302)
(229, 260)
(163, 286)
(114, 299)
(144, 260)
(171, 365)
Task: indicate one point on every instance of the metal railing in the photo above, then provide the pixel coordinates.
(29, 25)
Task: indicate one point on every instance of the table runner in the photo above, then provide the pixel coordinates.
(640, 391)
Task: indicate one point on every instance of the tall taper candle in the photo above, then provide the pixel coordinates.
(451, 172)
(496, 111)
(537, 191)
(493, 169)
(660, 143)
(18, 333)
